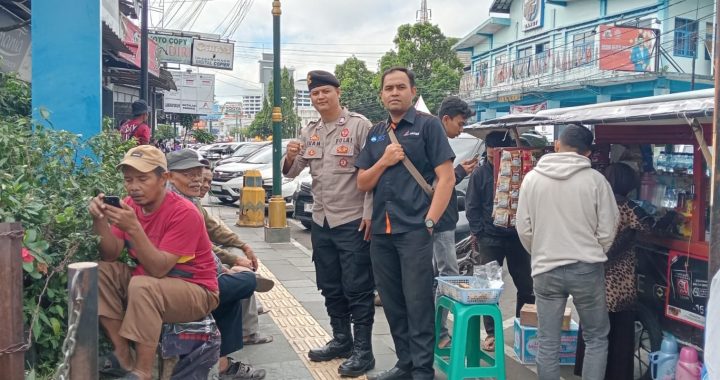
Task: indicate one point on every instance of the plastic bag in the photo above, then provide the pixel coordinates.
(488, 276)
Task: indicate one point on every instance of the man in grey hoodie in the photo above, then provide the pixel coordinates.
(566, 219)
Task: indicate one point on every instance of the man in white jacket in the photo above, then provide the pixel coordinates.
(566, 219)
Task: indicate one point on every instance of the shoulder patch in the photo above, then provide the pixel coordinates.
(355, 114)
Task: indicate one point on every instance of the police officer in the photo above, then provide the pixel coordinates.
(341, 223)
(404, 218)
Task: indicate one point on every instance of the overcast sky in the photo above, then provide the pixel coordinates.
(318, 34)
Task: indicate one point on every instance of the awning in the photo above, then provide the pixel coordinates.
(131, 77)
(489, 27)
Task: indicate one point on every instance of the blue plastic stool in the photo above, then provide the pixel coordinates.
(465, 354)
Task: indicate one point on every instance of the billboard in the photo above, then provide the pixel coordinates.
(131, 39)
(195, 94)
(233, 108)
(627, 49)
(173, 49)
(213, 54)
(533, 14)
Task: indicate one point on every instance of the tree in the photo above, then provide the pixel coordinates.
(203, 136)
(165, 132)
(424, 49)
(262, 124)
(359, 94)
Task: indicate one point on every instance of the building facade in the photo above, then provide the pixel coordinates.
(536, 54)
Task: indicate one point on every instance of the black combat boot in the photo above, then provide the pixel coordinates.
(340, 346)
(362, 359)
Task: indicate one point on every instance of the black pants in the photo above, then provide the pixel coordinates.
(621, 347)
(403, 269)
(508, 248)
(343, 271)
(233, 289)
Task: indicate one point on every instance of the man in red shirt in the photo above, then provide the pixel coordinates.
(137, 127)
(174, 279)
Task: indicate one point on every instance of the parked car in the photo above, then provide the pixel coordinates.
(465, 147)
(228, 178)
(222, 150)
(245, 150)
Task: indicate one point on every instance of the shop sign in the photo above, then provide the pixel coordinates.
(627, 49)
(14, 47)
(213, 54)
(131, 39)
(172, 49)
(532, 108)
(533, 12)
(688, 288)
(509, 98)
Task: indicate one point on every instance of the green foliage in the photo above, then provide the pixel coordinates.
(165, 132)
(262, 124)
(46, 186)
(187, 120)
(203, 136)
(423, 48)
(359, 94)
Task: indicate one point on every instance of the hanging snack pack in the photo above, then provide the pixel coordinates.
(514, 164)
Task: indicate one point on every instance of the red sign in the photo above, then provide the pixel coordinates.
(627, 49)
(688, 288)
(132, 41)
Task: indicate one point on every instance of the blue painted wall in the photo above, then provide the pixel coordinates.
(67, 65)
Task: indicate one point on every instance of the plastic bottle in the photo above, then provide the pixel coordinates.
(664, 362)
(688, 367)
(647, 187)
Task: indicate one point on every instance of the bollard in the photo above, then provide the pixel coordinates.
(252, 201)
(12, 339)
(83, 301)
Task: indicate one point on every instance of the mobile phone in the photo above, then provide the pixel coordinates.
(475, 157)
(112, 200)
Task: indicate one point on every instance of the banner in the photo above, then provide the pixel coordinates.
(532, 108)
(131, 39)
(688, 289)
(216, 55)
(533, 14)
(173, 49)
(195, 94)
(627, 49)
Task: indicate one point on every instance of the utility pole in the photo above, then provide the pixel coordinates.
(714, 257)
(277, 230)
(144, 51)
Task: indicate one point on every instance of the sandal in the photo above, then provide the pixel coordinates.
(257, 339)
(238, 370)
(110, 366)
(489, 343)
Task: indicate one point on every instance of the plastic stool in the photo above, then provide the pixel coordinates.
(466, 341)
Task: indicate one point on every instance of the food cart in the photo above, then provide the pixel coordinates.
(665, 138)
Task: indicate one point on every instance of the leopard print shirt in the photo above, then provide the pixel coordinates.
(620, 277)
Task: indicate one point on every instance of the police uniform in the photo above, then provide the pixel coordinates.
(401, 247)
(340, 253)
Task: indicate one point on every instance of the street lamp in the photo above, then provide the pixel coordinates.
(277, 230)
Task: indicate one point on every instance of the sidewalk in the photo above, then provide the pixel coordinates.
(297, 318)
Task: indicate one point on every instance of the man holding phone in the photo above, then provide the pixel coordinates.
(174, 279)
(453, 114)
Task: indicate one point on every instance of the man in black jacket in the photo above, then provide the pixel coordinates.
(496, 243)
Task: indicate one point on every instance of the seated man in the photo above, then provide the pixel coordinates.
(174, 279)
(236, 284)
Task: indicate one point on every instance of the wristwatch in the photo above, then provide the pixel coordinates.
(429, 223)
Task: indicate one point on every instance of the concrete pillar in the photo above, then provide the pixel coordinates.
(602, 98)
(67, 65)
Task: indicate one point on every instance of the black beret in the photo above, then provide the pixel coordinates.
(317, 78)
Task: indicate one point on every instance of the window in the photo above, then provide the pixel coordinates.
(685, 37)
(583, 48)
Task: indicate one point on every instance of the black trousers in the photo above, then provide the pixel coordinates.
(234, 287)
(508, 248)
(343, 271)
(403, 269)
(621, 347)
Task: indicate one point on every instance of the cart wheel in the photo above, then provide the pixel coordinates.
(649, 337)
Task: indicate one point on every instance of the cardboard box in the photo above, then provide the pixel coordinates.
(526, 343)
(528, 316)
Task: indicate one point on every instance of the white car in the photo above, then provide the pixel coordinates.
(228, 179)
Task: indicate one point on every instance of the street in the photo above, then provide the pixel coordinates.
(311, 300)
